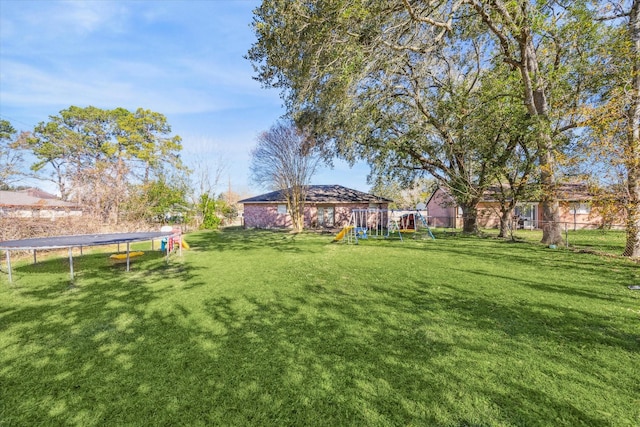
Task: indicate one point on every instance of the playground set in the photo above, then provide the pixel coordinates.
(376, 223)
(175, 240)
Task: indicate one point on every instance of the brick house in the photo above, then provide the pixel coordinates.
(35, 203)
(578, 209)
(326, 206)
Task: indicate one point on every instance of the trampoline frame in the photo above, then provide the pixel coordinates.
(80, 240)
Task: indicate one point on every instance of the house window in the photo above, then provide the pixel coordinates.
(580, 209)
(282, 209)
(527, 215)
(326, 216)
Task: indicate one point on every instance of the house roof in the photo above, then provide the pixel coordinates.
(36, 192)
(321, 194)
(567, 192)
(33, 199)
(443, 193)
(575, 192)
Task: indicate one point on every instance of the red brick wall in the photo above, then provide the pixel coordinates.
(262, 215)
(488, 214)
(265, 215)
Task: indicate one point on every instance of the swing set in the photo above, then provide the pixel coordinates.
(375, 223)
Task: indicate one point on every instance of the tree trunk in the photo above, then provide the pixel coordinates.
(551, 226)
(538, 106)
(632, 152)
(632, 248)
(506, 219)
(297, 219)
(469, 218)
(296, 199)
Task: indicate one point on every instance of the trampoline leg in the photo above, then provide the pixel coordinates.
(127, 256)
(9, 265)
(71, 263)
(34, 257)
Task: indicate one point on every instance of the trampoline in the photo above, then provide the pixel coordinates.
(79, 241)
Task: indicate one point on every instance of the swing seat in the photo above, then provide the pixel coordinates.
(361, 232)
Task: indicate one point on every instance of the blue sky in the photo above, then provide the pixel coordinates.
(183, 59)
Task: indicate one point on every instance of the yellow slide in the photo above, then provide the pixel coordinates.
(184, 244)
(342, 233)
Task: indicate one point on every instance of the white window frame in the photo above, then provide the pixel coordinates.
(326, 216)
(528, 213)
(282, 209)
(580, 209)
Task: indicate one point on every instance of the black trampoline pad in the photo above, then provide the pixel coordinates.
(56, 242)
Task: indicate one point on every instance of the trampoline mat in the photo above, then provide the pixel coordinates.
(56, 242)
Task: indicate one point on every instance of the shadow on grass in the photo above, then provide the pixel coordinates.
(471, 250)
(240, 240)
(100, 357)
(159, 346)
(322, 358)
(97, 266)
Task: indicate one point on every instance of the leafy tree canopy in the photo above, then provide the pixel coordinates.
(94, 155)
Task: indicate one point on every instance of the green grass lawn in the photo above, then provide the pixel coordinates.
(611, 242)
(268, 328)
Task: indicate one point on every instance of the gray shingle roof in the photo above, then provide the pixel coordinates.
(322, 194)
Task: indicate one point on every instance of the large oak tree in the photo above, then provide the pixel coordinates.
(359, 74)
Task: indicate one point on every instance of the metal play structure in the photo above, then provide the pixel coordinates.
(408, 221)
(79, 241)
(375, 223)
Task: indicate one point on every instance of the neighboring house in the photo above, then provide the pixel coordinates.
(34, 203)
(578, 209)
(326, 206)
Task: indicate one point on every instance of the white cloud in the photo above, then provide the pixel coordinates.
(129, 69)
(84, 17)
(141, 85)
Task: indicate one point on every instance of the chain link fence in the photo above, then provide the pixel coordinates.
(582, 236)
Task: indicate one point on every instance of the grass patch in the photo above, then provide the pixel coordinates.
(270, 328)
(603, 242)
